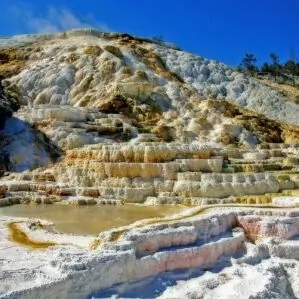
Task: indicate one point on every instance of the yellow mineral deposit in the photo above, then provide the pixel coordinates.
(20, 237)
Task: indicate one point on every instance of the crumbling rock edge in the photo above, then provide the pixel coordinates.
(149, 249)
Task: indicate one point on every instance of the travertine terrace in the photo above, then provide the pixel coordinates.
(92, 118)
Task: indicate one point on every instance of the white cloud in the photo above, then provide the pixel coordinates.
(54, 20)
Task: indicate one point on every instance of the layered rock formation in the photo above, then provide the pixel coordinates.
(133, 121)
(159, 173)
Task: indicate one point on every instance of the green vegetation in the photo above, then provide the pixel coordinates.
(248, 64)
(281, 72)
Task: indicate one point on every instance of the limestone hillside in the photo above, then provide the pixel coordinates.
(87, 87)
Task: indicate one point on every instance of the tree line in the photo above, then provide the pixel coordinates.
(280, 71)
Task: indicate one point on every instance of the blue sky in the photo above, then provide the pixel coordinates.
(219, 29)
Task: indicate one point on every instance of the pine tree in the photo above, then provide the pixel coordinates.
(266, 68)
(248, 64)
(275, 65)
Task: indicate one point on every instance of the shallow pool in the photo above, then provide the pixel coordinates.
(89, 220)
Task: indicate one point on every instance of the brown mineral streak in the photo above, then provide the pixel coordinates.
(20, 237)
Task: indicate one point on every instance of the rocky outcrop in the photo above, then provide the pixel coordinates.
(139, 125)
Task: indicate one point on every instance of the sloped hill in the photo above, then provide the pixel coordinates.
(86, 87)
